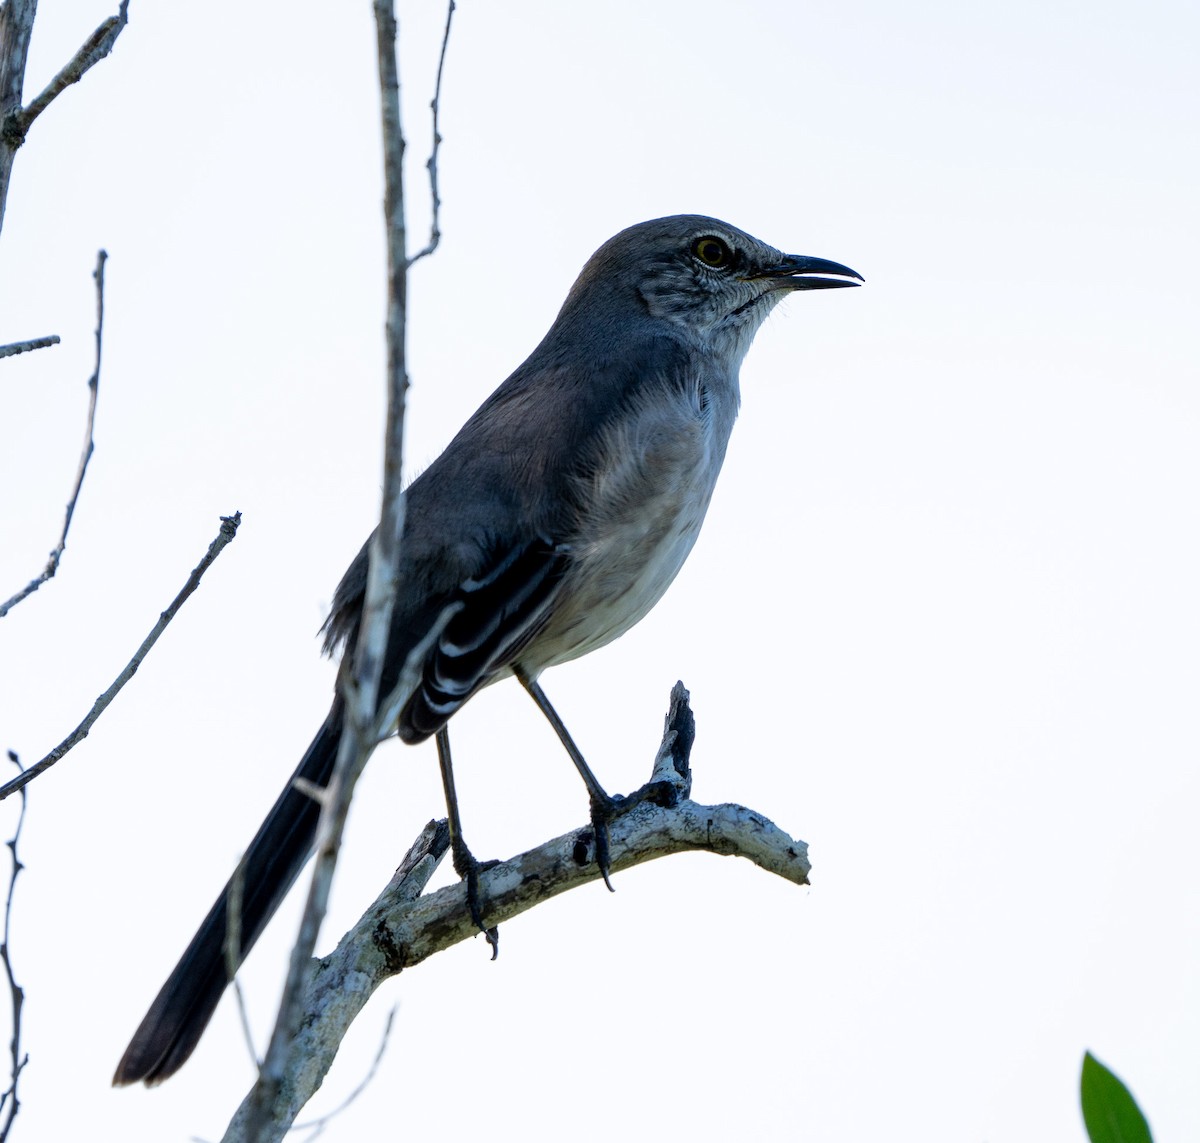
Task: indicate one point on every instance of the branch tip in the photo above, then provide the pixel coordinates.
(226, 534)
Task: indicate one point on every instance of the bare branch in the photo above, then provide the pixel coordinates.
(9, 1100)
(435, 233)
(399, 930)
(359, 678)
(353, 752)
(15, 347)
(94, 49)
(229, 527)
(258, 1120)
(89, 446)
(317, 1126)
(16, 27)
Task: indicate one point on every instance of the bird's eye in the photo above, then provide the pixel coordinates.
(712, 252)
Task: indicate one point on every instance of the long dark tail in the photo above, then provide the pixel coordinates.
(172, 1028)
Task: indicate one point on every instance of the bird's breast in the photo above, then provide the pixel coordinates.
(646, 496)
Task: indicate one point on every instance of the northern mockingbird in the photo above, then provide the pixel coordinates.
(555, 520)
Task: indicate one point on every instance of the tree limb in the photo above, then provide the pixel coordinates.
(93, 50)
(16, 28)
(258, 1118)
(401, 928)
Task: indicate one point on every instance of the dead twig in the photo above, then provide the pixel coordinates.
(92, 51)
(229, 527)
(15, 347)
(89, 446)
(16, 28)
(9, 1102)
(435, 233)
(233, 942)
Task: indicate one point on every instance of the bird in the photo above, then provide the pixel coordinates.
(553, 522)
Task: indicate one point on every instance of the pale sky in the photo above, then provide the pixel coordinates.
(942, 622)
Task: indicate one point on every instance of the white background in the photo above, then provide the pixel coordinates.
(942, 623)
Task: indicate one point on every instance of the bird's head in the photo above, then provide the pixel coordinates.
(711, 281)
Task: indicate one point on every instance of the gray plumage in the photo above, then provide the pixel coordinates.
(555, 519)
(609, 456)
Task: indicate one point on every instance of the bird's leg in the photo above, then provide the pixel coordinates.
(604, 806)
(465, 864)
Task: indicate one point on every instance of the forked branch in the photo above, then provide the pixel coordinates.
(402, 928)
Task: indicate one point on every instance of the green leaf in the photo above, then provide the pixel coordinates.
(1110, 1113)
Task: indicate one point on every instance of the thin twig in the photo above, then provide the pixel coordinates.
(435, 233)
(233, 942)
(9, 1099)
(15, 347)
(229, 527)
(89, 446)
(359, 678)
(93, 50)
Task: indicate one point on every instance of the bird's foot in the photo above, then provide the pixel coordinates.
(608, 808)
(604, 810)
(469, 868)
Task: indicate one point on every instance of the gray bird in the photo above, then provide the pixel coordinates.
(551, 524)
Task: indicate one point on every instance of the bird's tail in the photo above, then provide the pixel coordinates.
(171, 1029)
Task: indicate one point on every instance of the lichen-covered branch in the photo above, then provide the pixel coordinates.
(400, 930)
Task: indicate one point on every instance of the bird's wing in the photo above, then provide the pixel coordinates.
(498, 613)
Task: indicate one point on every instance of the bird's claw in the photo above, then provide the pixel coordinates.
(469, 868)
(607, 808)
(604, 810)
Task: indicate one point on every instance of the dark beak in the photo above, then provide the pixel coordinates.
(793, 273)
